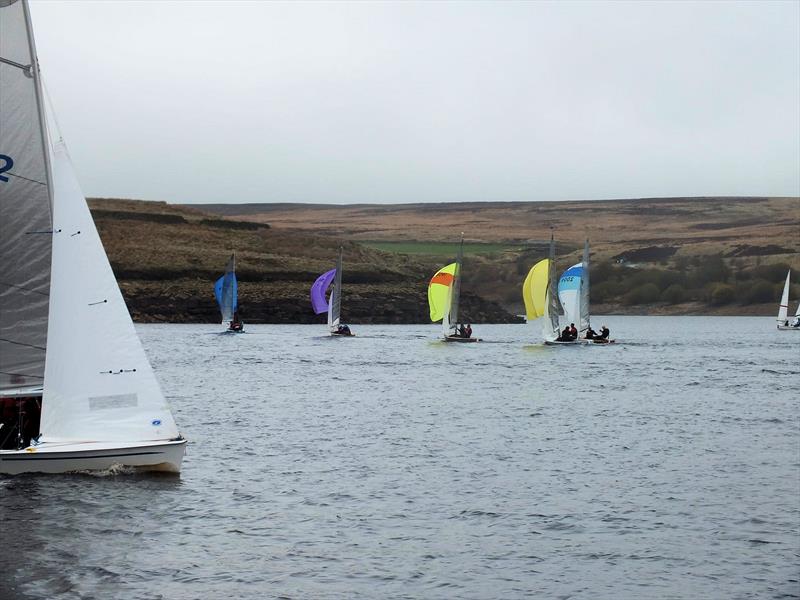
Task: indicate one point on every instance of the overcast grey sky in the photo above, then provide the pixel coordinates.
(339, 102)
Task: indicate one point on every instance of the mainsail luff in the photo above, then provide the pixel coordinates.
(551, 326)
(783, 309)
(584, 325)
(26, 229)
(335, 310)
(455, 293)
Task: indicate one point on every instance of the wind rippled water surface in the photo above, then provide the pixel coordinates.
(393, 465)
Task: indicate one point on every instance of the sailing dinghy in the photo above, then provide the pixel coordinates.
(444, 292)
(573, 293)
(540, 297)
(783, 310)
(333, 306)
(226, 291)
(77, 392)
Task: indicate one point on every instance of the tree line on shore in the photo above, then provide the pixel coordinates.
(706, 279)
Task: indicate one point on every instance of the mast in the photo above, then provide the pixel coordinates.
(456, 291)
(335, 311)
(553, 305)
(783, 309)
(584, 303)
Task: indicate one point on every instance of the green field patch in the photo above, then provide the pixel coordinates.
(438, 248)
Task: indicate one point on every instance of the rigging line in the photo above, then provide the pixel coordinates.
(23, 288)
(22, 344)
(11, 174)
(21, 375)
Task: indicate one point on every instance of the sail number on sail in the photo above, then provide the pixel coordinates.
(8, 164)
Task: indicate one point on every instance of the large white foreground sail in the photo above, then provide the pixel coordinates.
(101, 404)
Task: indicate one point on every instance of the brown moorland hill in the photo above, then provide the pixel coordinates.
(166, 259)
(738, 226)
(724, 255)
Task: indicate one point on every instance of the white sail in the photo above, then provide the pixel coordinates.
(455, 291)
(60, 306)
(584, 304)
(783, 309)
(335, 303)
(99, 385)
(25, 206)
(447, 329)
(550, 324)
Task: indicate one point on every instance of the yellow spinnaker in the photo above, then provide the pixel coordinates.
(534, 290)
(439, 291)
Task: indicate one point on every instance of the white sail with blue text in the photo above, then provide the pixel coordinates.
(73, 371)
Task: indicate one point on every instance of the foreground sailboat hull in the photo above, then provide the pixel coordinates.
(94, 456)
(788, 328)
(461, 340)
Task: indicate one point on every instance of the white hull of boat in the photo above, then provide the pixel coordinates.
(94, 456)
(788, 328)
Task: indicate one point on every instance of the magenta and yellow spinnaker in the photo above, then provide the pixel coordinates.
(534, 290)
(439, 291)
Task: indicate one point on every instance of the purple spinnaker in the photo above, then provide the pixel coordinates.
(318, 290)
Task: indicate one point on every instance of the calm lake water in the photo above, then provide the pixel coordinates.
(392, 465)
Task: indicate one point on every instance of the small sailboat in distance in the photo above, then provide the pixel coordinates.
(444, 292)
(332, 306)
(77, 392)
(226, 291)
(540, 297)
(573, 292)
(783, 309)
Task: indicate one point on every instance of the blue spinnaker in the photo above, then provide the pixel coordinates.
(227, 293)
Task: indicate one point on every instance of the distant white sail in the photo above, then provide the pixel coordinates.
(585, 320)
(783, 309)
(550, 324)
(335, 309)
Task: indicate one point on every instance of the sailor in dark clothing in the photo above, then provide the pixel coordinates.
(604, 333)
(462, 331)
(468, 331)
(566, 336)
(590, 334)
(573, 333)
